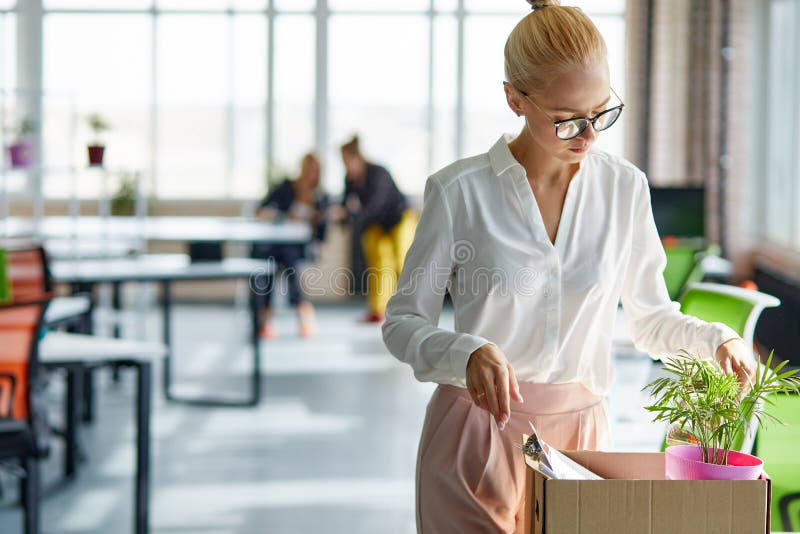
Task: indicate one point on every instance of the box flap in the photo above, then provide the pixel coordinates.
(622, 465)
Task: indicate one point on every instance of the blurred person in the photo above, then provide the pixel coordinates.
(294, 200)
(380, 218)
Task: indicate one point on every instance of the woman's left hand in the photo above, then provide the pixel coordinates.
(734, 357)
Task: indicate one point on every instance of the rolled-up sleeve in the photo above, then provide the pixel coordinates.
(411, 331)
(656, 324)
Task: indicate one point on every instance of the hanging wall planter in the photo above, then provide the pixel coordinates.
(97, 149)
(21, 154)
(96, 153)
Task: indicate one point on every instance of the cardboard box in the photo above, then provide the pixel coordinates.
(637, 500)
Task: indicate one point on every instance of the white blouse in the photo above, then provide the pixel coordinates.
(549, 307)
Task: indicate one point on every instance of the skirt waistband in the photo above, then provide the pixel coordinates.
(543, 399)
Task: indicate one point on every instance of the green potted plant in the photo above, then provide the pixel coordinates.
(96, 148)
(711, 409)
(21, 151)
(123, 202)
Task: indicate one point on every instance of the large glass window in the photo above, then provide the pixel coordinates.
(188, 87)
(378, 89)
(94, 64)
(293, 131)
(782, 165)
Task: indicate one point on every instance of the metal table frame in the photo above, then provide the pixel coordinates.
(256, 271)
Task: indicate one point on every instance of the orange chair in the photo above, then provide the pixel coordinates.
(27, 270)
(23, 425)
(22, 422)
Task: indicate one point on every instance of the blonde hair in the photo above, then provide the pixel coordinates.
(549, 41)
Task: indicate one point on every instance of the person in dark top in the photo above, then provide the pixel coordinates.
(379, 212)
(296, 200)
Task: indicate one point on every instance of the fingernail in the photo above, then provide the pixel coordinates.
(505, 418)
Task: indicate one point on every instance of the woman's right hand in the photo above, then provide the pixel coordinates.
(492, 383)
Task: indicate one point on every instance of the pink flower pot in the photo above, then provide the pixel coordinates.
(96, 155)
(684, 462)
(21, 154)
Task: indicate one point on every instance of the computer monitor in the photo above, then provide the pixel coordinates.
(679, 211)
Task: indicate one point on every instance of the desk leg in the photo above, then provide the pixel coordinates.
(116, 307)
(256, 307)
(256, 303)
(71, 421)
(166, 305)
(142, 506)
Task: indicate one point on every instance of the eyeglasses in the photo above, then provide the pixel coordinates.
(572, 128)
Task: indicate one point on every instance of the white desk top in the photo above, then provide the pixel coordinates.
(233, 229)
(80, 248)
(65, 348)
(154, 267)
(61, 308)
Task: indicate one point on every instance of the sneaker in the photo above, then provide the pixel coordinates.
(371, 318)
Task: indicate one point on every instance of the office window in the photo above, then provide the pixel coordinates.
(247, 106)
(192, 77)
(383, 5)
(293, 130)
(782, 222)
(486, 112)
(97, 4)
(445, 57)
(94, 64)
(192, 114)
(378, 88)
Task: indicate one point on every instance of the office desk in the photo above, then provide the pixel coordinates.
(75, 353)
(165, 269)
(199, 229)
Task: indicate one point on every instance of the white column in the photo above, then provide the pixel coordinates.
(29, 83)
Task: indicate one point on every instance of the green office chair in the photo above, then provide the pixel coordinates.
(736, 307)
(684, 266)
(777, 446)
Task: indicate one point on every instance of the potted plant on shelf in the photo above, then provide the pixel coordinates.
(21, 151)
(711, 409)
(123, 202)
(97, 149)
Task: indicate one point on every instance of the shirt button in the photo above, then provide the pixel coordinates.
(554, 271)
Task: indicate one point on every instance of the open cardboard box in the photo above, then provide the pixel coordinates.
(637, 500)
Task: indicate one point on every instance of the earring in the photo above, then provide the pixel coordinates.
(517, 113)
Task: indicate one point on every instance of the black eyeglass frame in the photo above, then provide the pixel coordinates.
(583, 121)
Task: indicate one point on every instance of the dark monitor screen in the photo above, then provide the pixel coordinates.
(679, 211)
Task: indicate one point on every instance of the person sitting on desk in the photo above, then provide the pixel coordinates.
(379, 213)
(295, 200)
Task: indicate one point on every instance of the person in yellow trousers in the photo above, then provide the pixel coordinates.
(379, 210)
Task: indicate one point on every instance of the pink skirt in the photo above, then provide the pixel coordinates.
(471, 478)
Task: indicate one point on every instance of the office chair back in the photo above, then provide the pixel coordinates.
(28, 273)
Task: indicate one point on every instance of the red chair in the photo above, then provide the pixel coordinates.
(23, 426)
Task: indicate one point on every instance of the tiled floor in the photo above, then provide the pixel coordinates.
(331, 448)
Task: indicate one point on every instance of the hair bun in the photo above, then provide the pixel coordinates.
(539, 4)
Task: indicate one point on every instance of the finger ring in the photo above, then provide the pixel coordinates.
(481, 395)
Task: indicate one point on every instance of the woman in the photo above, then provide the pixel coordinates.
(536, 241)
(296, 200)
(380, 216)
